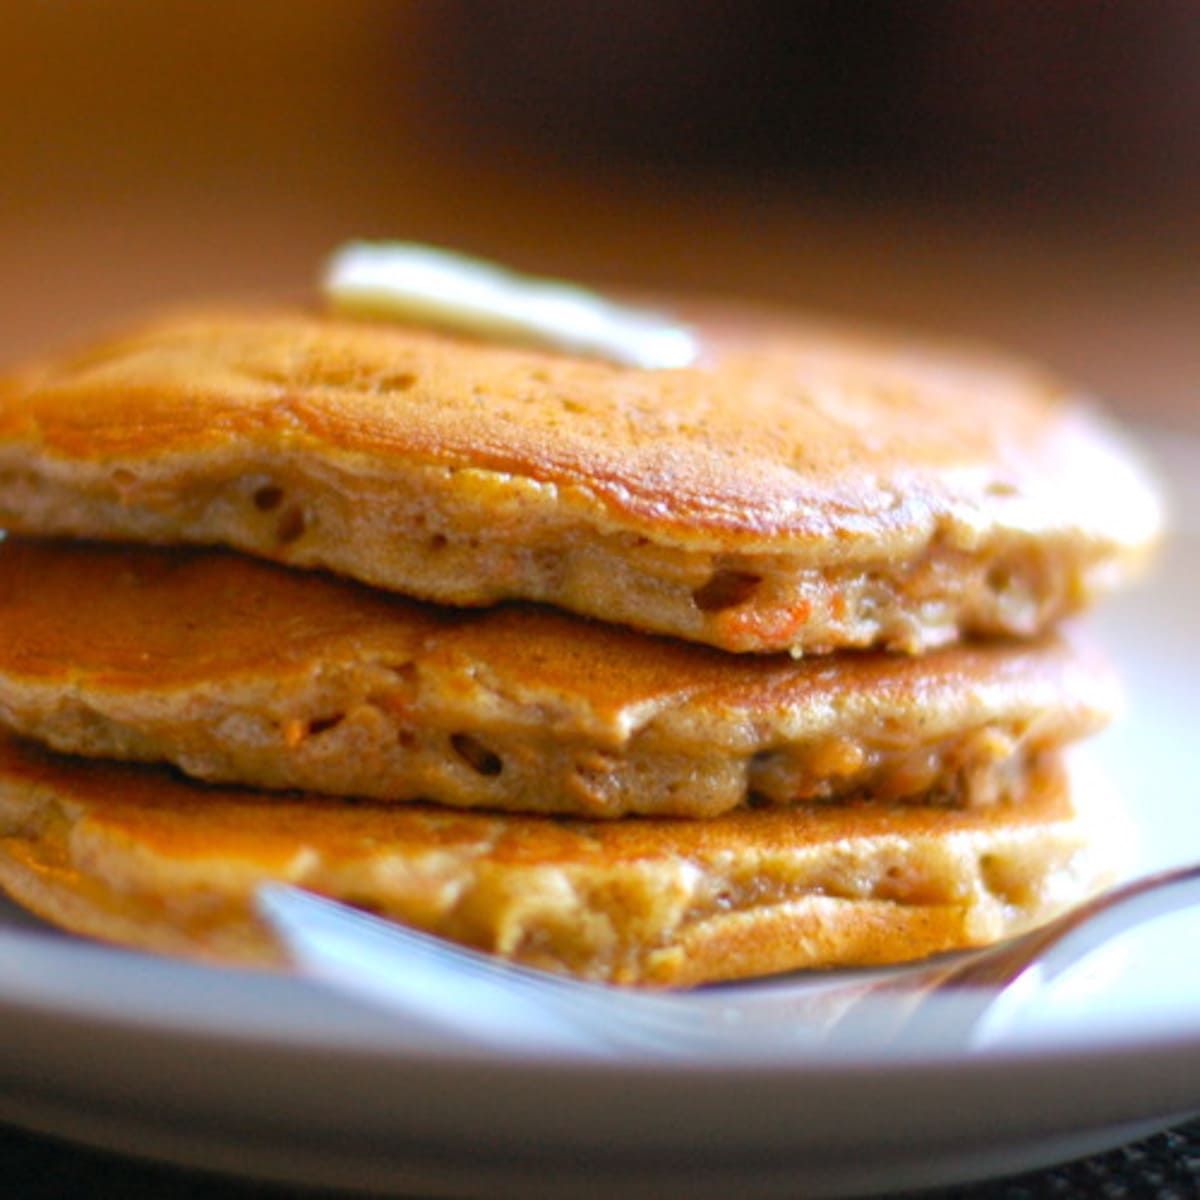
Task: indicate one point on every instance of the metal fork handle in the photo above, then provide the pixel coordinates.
(992, 987)
(1059, 945)
(481, 1000)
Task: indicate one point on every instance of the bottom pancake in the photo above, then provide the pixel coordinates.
(138, 856)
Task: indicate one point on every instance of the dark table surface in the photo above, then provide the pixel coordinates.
(1165, 1167)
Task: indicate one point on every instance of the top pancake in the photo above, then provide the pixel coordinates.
(799, 489)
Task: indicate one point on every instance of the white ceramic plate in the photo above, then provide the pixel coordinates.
(276, 1077)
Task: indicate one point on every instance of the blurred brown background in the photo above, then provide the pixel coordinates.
(1027, 174)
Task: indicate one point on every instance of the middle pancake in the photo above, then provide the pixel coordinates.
(239, 671)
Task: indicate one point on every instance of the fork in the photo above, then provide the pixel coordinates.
(441, 987)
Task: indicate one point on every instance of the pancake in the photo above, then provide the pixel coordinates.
(802, 488)
(137, 856)
(240, 671)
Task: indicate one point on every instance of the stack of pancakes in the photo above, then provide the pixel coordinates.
(646, 676)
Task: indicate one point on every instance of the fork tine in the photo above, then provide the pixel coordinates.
(422, 975)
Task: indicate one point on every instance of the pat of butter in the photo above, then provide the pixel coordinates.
(419, 283)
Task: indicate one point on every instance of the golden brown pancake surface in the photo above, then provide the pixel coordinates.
(801, 488)
(135, 855)
(240, 671)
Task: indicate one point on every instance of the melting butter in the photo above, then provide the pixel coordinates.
(411, 282)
